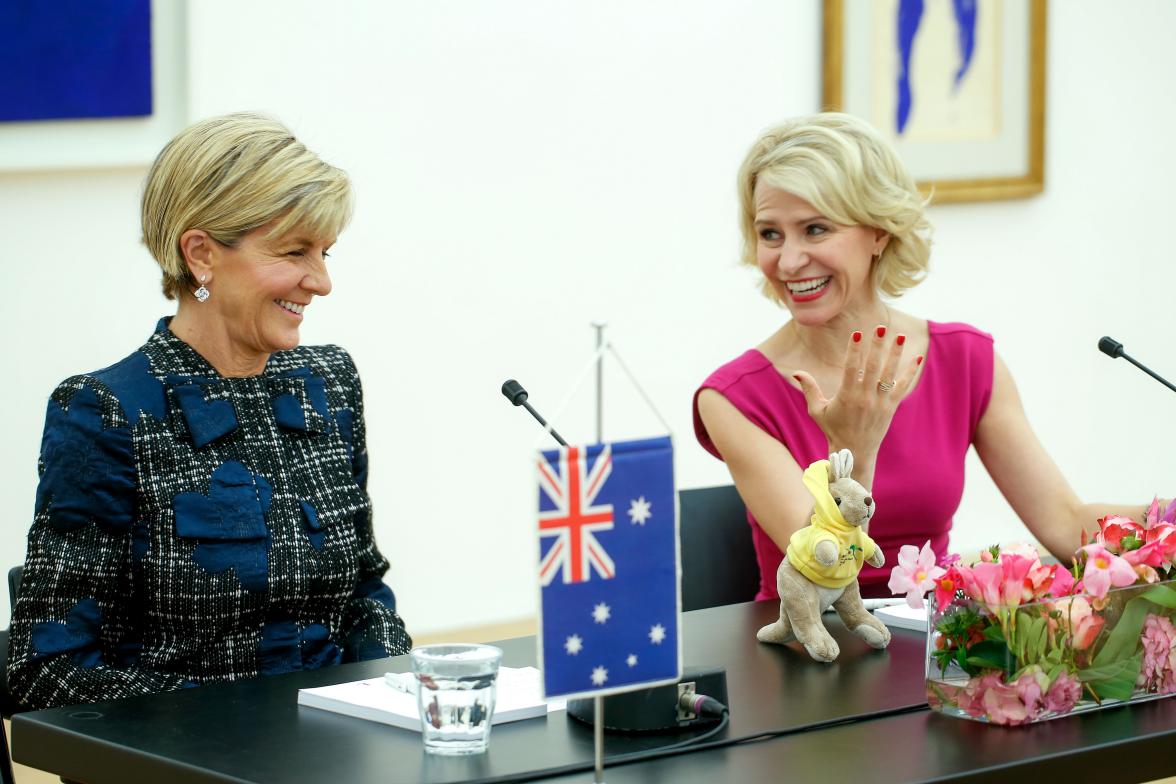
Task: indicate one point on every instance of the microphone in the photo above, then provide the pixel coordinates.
(514, 392)
(1114, 349)
(697, 698)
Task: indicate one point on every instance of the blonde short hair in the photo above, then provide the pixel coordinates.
(228, 176)
(841, 166)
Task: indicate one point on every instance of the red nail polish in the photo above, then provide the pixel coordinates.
(857, 337)
(900, 339)
(796, 378)
(919, 360)
(881, 332)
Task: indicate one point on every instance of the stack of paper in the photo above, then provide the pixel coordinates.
(903, 616)
(519, 697)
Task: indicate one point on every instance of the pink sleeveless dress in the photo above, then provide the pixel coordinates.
(919, 476)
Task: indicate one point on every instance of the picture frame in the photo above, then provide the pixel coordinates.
(957, 88)
(119, 142)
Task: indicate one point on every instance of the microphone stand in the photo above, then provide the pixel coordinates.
(598, 701)
(1114, 349)
(514, 392)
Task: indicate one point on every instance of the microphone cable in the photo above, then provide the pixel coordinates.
(700, 742)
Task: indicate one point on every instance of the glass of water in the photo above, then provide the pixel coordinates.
(455, 695)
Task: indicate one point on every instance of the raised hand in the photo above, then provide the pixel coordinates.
(874, 381)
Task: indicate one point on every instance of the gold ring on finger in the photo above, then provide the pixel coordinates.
(886, 386)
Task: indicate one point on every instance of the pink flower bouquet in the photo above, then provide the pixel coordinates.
(1013, 640)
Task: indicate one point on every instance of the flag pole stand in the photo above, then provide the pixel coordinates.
(598, 701)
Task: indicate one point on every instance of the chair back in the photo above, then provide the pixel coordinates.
(14, 575)
(8, 705)
(718, 558)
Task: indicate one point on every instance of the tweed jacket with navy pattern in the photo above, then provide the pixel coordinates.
(191, 528)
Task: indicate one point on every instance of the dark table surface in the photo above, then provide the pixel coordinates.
(867, 703)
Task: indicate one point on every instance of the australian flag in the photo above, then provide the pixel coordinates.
(608, 567)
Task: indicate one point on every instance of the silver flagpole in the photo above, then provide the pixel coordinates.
(599, 326)
(598, 701)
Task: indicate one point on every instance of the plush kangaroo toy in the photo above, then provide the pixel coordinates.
(822, 563)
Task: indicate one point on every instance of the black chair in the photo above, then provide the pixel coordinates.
(718, 558)
(8, 705)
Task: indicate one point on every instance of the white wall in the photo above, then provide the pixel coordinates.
(525, 167)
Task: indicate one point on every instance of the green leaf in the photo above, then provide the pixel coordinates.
(1124, 638)
(943, 658)
(1161, 595)
(994, 633)
(991, 654)
(962, 660)
(1041, 631)
(1114, 681)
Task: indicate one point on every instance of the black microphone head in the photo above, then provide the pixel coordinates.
(1109, 346)
(514, 391)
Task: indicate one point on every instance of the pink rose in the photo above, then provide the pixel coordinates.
(1063, 693)
(970, 699)
(1112, 529)
(1002, 702)
(1014, 571)
(1030, 686)
(1023, 549)
(1079, 620)
(982, 582)
(1063, 583)
(1038, 577)
(1164, 536)
(997, 584)
(1150, 554)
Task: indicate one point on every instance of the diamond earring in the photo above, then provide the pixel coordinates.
(201, 294)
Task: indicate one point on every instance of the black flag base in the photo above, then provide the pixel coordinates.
(672, 706)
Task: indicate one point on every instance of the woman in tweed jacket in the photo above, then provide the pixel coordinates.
(202, 513)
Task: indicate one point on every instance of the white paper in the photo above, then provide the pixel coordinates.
(903, 616)
(519, 697)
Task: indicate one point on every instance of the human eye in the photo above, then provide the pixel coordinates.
(816, 229)
(769, 235)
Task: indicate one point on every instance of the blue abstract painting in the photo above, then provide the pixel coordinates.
(73, 59)
(910, 16)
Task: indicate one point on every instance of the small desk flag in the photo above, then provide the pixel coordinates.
(608, 567)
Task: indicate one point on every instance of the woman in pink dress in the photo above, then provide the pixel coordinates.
(834, 222)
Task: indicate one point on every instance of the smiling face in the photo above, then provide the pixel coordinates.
(818, 269)
(262, 286)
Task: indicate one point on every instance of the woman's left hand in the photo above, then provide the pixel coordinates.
(874, 381)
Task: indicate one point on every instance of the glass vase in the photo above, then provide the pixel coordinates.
(1048, 658)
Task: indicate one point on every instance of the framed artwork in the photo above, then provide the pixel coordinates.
(74, 59)
(92, 83)
(957, 86)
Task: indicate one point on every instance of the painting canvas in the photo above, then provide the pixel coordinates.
(90, 83)
(72, 59)
(957, 86)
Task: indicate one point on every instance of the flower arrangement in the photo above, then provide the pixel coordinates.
(1013, 640)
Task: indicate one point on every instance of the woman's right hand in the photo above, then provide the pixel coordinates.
(875, 380)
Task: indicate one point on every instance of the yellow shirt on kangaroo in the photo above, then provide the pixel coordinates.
(853, 545)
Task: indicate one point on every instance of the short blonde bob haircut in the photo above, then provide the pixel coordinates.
(230, 175)
(842, 167)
